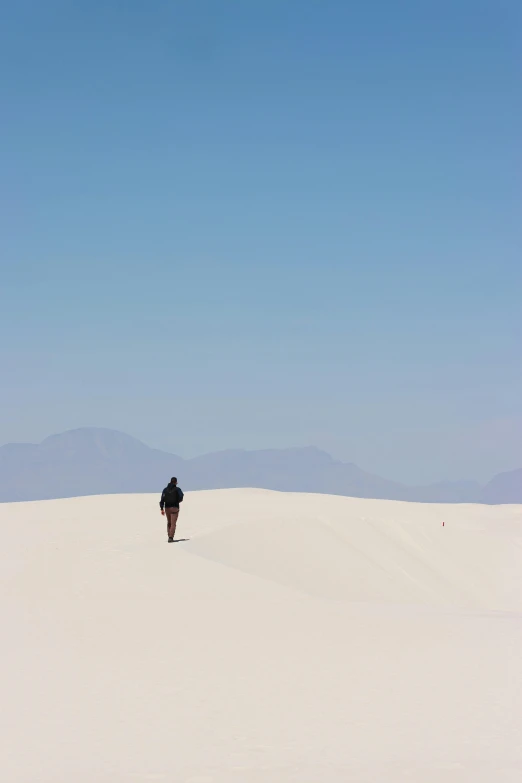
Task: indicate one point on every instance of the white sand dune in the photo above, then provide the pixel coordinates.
(292, 639)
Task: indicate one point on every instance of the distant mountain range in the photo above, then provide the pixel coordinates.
(92, 461)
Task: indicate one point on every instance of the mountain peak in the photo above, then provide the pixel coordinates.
(97, 437)
(504, 488)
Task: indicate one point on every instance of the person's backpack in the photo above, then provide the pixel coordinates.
(173, 496)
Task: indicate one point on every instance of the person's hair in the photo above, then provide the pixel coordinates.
(173, 480)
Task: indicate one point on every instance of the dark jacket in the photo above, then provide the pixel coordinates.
(171, 497)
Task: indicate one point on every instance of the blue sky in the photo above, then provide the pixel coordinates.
(266, 223)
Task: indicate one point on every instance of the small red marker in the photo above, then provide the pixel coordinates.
(442, 523)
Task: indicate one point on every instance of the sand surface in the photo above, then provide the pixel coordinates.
(291, 639)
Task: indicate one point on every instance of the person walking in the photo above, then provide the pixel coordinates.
(171, 497)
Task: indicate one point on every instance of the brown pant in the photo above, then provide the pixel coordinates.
(172, 517)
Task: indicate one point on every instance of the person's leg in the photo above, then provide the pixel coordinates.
(168, 512)
(173, 519)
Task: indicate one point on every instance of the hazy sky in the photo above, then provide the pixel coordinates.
(252, 223)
